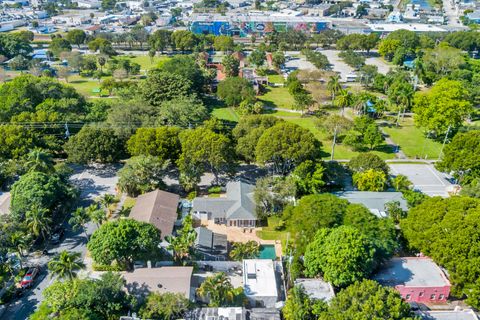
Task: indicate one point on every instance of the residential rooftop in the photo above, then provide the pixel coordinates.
(457, 314)
(317, 288)
(374, 201)
(412, 272)
(161, 280)
(259, 278)
(158, 208)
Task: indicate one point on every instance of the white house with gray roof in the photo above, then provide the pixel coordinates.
(236, 209)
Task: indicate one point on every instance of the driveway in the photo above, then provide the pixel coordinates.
(93, 182)
(425, 178)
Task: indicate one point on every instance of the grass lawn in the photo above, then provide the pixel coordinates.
(277, 97)
(269, 232)
(412, 141)
(276, 78)
(341, 152)
(226, 113)
(146, 63)
(84, 85)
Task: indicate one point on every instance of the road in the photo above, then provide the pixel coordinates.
(451, 13)
(93, 183)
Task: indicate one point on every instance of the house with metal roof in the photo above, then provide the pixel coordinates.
(158, 208)
(236, 209)
(374, 201)
(211, 246)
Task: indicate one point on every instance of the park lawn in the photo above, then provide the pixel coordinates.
(146, 63)
(278, 97)
(412, 140)
(84, 86)
(342, 152)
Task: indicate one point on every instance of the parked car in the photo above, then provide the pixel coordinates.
(29, 278)
(57, 236)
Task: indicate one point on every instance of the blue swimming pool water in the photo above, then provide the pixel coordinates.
(267, 251)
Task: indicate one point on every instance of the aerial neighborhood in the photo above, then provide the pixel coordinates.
(239, 160)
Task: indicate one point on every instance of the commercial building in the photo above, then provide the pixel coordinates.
(247, 24)
(259, 282)
(418, 279)
(237, 209)
(158, 208)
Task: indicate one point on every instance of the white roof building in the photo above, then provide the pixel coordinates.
(259, 282)
(316, 288)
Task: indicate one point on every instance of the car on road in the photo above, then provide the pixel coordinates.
(29, 278)
(57, 236)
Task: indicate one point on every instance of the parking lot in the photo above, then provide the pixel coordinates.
(425, 178)
(95, 181)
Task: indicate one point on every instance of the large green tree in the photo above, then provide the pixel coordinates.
(447, 230)
(368, 300)
(161, 142)
(142, 174)
(367, 161)
(342, 255)
(12, 45)
(183, 111)
(94, 144)
(76, 36)
(164, 306)
(205, 151)
(234, 90)
(300, 306)
(86, 299)
(186, 67)
(15, 141)
(161, 86)
(286, 145)
(461, 156)
(123, 241)
(248, 131)
(218, 290)
(39, 190)
(445, 106)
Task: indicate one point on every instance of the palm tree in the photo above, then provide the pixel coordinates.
(182, 244)
(66, 265)
(106, 201)
(217, 289)
(39, 160)
(38, 221)
(96, 214)
(19, 243)
(79, 219)
(334, 86)
(247, 250)
(344, 99)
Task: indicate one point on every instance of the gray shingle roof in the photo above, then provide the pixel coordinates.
(238, 204)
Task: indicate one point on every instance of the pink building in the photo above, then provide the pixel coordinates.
(418, 279)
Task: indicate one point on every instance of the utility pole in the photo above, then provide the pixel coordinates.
(444, 141)
(333, 143)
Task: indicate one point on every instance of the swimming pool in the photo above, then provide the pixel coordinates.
(267, 251)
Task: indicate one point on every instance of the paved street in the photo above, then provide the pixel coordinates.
(93, 183)
(424, 178)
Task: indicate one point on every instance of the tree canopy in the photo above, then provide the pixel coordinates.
(447, 230)
(94, 144)
(444, 106)
(234, 90)
(161, 86)
(368, 300)
(286, 145)
(161, 142)
(461, 155)
(123, 241)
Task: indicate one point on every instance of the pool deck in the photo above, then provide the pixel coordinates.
(235, 234)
